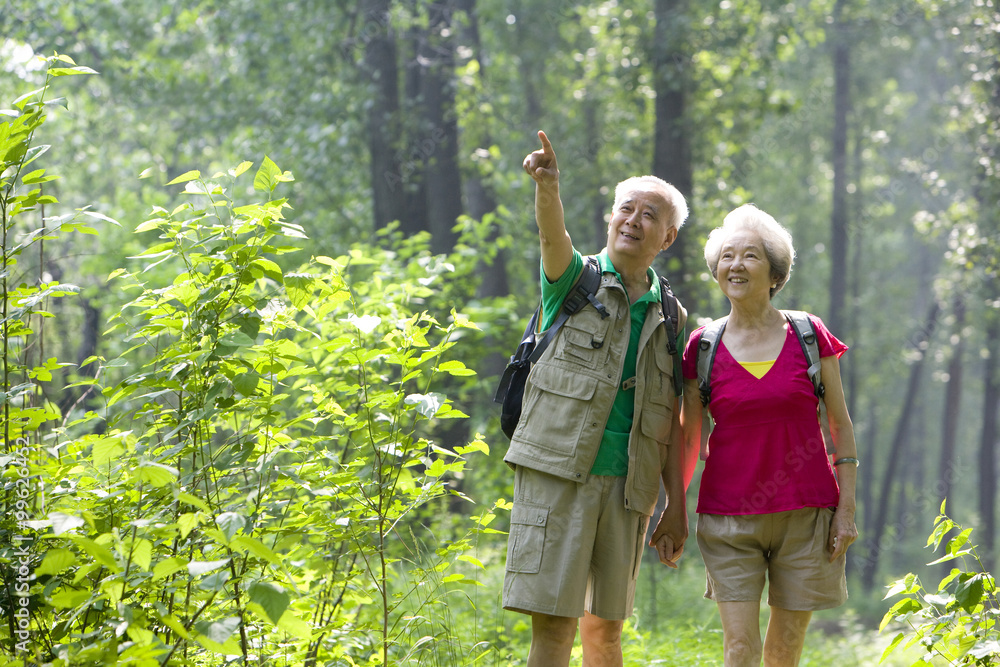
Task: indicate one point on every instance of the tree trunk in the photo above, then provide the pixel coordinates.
(479, 195)
(415, 218)
(838, 222)
(987, 445)
(892, 463)
(952, 406)
(381, 67)
(672, 135)
(439, 144)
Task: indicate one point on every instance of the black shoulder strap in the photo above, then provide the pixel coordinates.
(672, 316)
(584, 291)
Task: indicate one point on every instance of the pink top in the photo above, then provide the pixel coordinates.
(766, 453)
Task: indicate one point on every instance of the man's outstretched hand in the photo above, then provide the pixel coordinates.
(541, 165)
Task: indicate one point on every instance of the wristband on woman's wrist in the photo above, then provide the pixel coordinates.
(847, 459)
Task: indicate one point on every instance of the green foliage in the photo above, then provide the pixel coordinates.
(958, 621)
(259, 483)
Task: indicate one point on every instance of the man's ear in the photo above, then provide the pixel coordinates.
(671, 237)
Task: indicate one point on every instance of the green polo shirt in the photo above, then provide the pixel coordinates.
(612, 457)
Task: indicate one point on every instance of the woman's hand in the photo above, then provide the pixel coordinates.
(669, 536)
(843, 532)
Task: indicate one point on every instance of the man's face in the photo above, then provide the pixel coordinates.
(640, 228)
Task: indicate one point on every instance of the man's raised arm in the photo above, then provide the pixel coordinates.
(556, 245)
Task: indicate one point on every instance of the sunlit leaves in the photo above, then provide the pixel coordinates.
(956, 623)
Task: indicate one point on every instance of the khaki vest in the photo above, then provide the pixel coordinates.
(569, 393)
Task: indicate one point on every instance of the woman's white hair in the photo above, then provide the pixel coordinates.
(777, 242)
(670, 194)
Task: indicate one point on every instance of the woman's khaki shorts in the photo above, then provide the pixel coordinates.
(788, 547)
(572, 547)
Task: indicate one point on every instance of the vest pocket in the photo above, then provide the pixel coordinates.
(660, 376)
(527, 538)
(556, 408)
(583, 339)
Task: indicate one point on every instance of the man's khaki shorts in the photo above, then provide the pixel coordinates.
(789, 547)
(572, 547)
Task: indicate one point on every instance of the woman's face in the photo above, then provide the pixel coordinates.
(744, 273)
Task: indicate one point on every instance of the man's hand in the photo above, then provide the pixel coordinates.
(541, 164)
(669, 536)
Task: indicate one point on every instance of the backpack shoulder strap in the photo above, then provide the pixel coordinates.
(707, 347)
(806, 334)
(673, 316)
(584, 291)
(808, 341)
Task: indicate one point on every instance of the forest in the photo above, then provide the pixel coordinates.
(263, 264)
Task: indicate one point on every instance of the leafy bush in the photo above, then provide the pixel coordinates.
(257, 484)
(958, 621)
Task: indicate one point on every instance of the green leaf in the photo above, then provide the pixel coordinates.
(62, 523)
(98, 552)
(185, 177)
(167, 567)
(66, 598)
(892, 646)
(105, 451)
(477, 445)
(70, 71)
(267, 176)
(255, 547)
(970, 590)
(299, 288)
(268, 268)
(192, 500)
(199, 567)
(271, 597)
(246, 383)
(230, 523)
(236, 339)
(455, 368)
(55, 561)
(157, 474)
(427, 404)
(142, 553)
(221, 630)
(187, 522)
(240, 169)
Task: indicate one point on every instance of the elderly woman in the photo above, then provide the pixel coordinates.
(772, 503)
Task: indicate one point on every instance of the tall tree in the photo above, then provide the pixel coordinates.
(381, 67)
(672, 160)
(439, 136)
(988, 441)
(841, 108)
(877, 532)
(952, 401)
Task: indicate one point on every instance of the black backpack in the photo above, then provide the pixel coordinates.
(510, 391)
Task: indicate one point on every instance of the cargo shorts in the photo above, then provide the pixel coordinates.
(573, 547)
(789, 549)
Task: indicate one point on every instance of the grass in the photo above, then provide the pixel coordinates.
(673, 624)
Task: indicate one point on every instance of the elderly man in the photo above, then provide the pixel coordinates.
(598, 429)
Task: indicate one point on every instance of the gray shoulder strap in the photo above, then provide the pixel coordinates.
(707, 347)
(806, 333)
